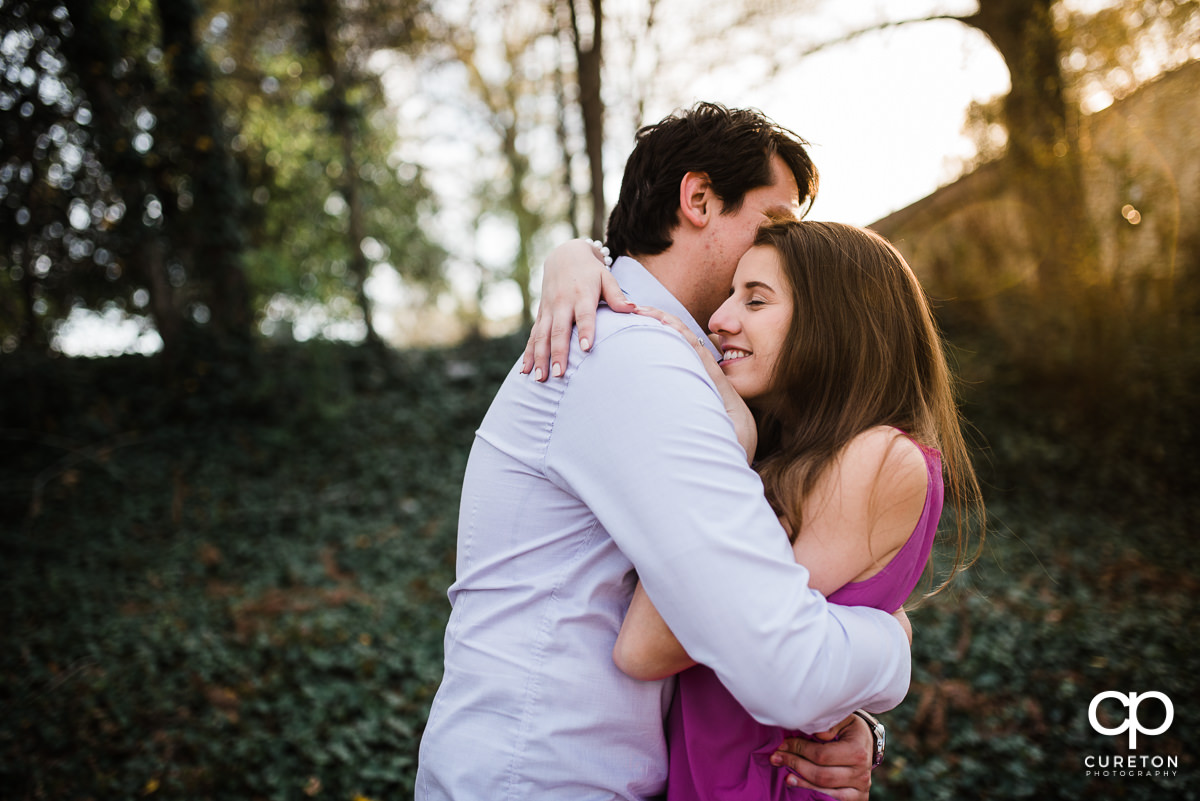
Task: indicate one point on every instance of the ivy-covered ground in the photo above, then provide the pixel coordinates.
(242, 594)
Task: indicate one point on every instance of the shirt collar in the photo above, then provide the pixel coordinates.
(640, 286)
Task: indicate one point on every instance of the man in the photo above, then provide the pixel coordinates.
(625, 465)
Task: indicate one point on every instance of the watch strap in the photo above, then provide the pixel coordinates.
(878, 734)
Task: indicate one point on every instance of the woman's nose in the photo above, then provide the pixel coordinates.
(723, 319)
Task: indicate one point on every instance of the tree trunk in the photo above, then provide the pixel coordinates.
(565, 149)
(527, 223)
(355, 230)
(93, 52)
(150, 264)
(32, 331)
(320, 18)
(591, 104)
(1043, 137)
(213, 222)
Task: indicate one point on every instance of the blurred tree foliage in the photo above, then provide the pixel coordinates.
(1117, 48)
(1054, 54)
(1061, 57)
(504, 93)
(1060, 60)
(1104, 53)
(98, 190)
(509, 59)
(317, 141)
(1043, 142)
(531, 75)
(194, 165)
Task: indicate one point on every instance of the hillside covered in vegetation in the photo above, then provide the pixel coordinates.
(238, 591)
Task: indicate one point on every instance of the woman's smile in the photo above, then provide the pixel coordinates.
(731, 355)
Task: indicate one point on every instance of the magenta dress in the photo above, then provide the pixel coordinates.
(717, 751)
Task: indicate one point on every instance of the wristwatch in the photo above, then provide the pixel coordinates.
(878, 733)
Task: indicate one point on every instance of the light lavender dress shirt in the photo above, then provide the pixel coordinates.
(628, 462)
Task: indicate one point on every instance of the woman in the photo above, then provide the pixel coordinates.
(828, 338)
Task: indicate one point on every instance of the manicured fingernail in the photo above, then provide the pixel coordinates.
(583, 343)
(537, 374)
(793, 781)
(556, 370)
(776, 760)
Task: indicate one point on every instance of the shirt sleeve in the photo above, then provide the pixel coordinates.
(641, 437)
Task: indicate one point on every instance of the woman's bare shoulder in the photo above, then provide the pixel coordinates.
(883, 448)
(863, 509)
(887, 470)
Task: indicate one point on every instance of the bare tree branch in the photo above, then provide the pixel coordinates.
(790, 58)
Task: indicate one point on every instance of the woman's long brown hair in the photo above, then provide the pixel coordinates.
(862, 350)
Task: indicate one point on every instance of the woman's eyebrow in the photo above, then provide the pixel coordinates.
(758, 284)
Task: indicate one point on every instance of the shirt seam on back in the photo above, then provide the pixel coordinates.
(533, 685)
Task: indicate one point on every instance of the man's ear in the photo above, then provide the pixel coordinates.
(697, 201)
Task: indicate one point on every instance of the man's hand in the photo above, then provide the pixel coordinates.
(839, 767)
